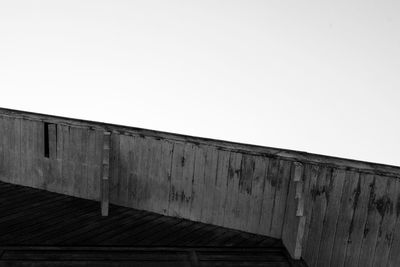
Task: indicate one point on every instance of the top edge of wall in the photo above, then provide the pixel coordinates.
(292, 155)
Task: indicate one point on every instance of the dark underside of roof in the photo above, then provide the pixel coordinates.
(40, 228)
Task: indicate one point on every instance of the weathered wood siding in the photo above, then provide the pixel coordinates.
(200, 182)
(351, 218)
(74, 156)
(331, 212)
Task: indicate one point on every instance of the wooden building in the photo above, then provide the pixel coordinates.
(300, 208)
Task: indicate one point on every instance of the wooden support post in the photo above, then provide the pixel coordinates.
(105, 188)
(295, 219)
(300, 210)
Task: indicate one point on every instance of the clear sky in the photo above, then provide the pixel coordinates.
(316, 76)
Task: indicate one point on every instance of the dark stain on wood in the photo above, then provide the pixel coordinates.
(246, 175)
(398, 206)
(183, 161)
(384, 205)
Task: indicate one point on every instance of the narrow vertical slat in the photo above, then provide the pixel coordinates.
(53, 183)
(334, 194)
(257, 192)
(319, 196)
(67, 168)
(356, 228)
(2, 148)
(187, 179)
(153, 177)
(244, 190)
(387, 209)
(164, 175)
(105, 189)
(178, 162)
(198, 186)
(210, 172)
(74, 160)
(114, 162)
(281, 193)
(124, 188)
(139, 157)
(374, 219)
(38, 174)
(394, 251)
(347, 202)
(269, 196)
(232, 216)
(220, 193)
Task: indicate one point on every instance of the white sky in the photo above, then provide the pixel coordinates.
(317, 76)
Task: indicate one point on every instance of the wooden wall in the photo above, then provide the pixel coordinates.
(200, 182)
(352, 218)
(340, 212)
(73, 164)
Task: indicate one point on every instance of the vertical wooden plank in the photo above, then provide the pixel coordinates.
(247, 165)
(144, 184)
(269, 197)
(257, 191)
(164, 175)
(187, 179)
(386, 208)
(198, 186)
(319, 197)
(281, 193)
(38, 174)
(394, 252)
(97, 163)
(374, 220)
(75, 140)
(114, 177)
(124, 188)
(178, 162)
(15, 150)
(291, 221)
(26, 152)
(51, 180)
(210, 171)
(350, 195)
(67, 164)
(333, 195)
(136, 179)
(154, 180)
(93, 162)
(105, 188)
(356, 227)
(220, 192)
(232, 216)
(58, 167)
(2, 148)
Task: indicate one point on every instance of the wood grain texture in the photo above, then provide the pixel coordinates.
(360, 211)
(387, 209)
(349, 197)
(220, 192)
(232, 215)
(374, 220)
(394, 251)
(319, 198)
(334, 188)
(198, 183)
(268, 197)
(210, 172)
(281, 193)
(258, 185)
